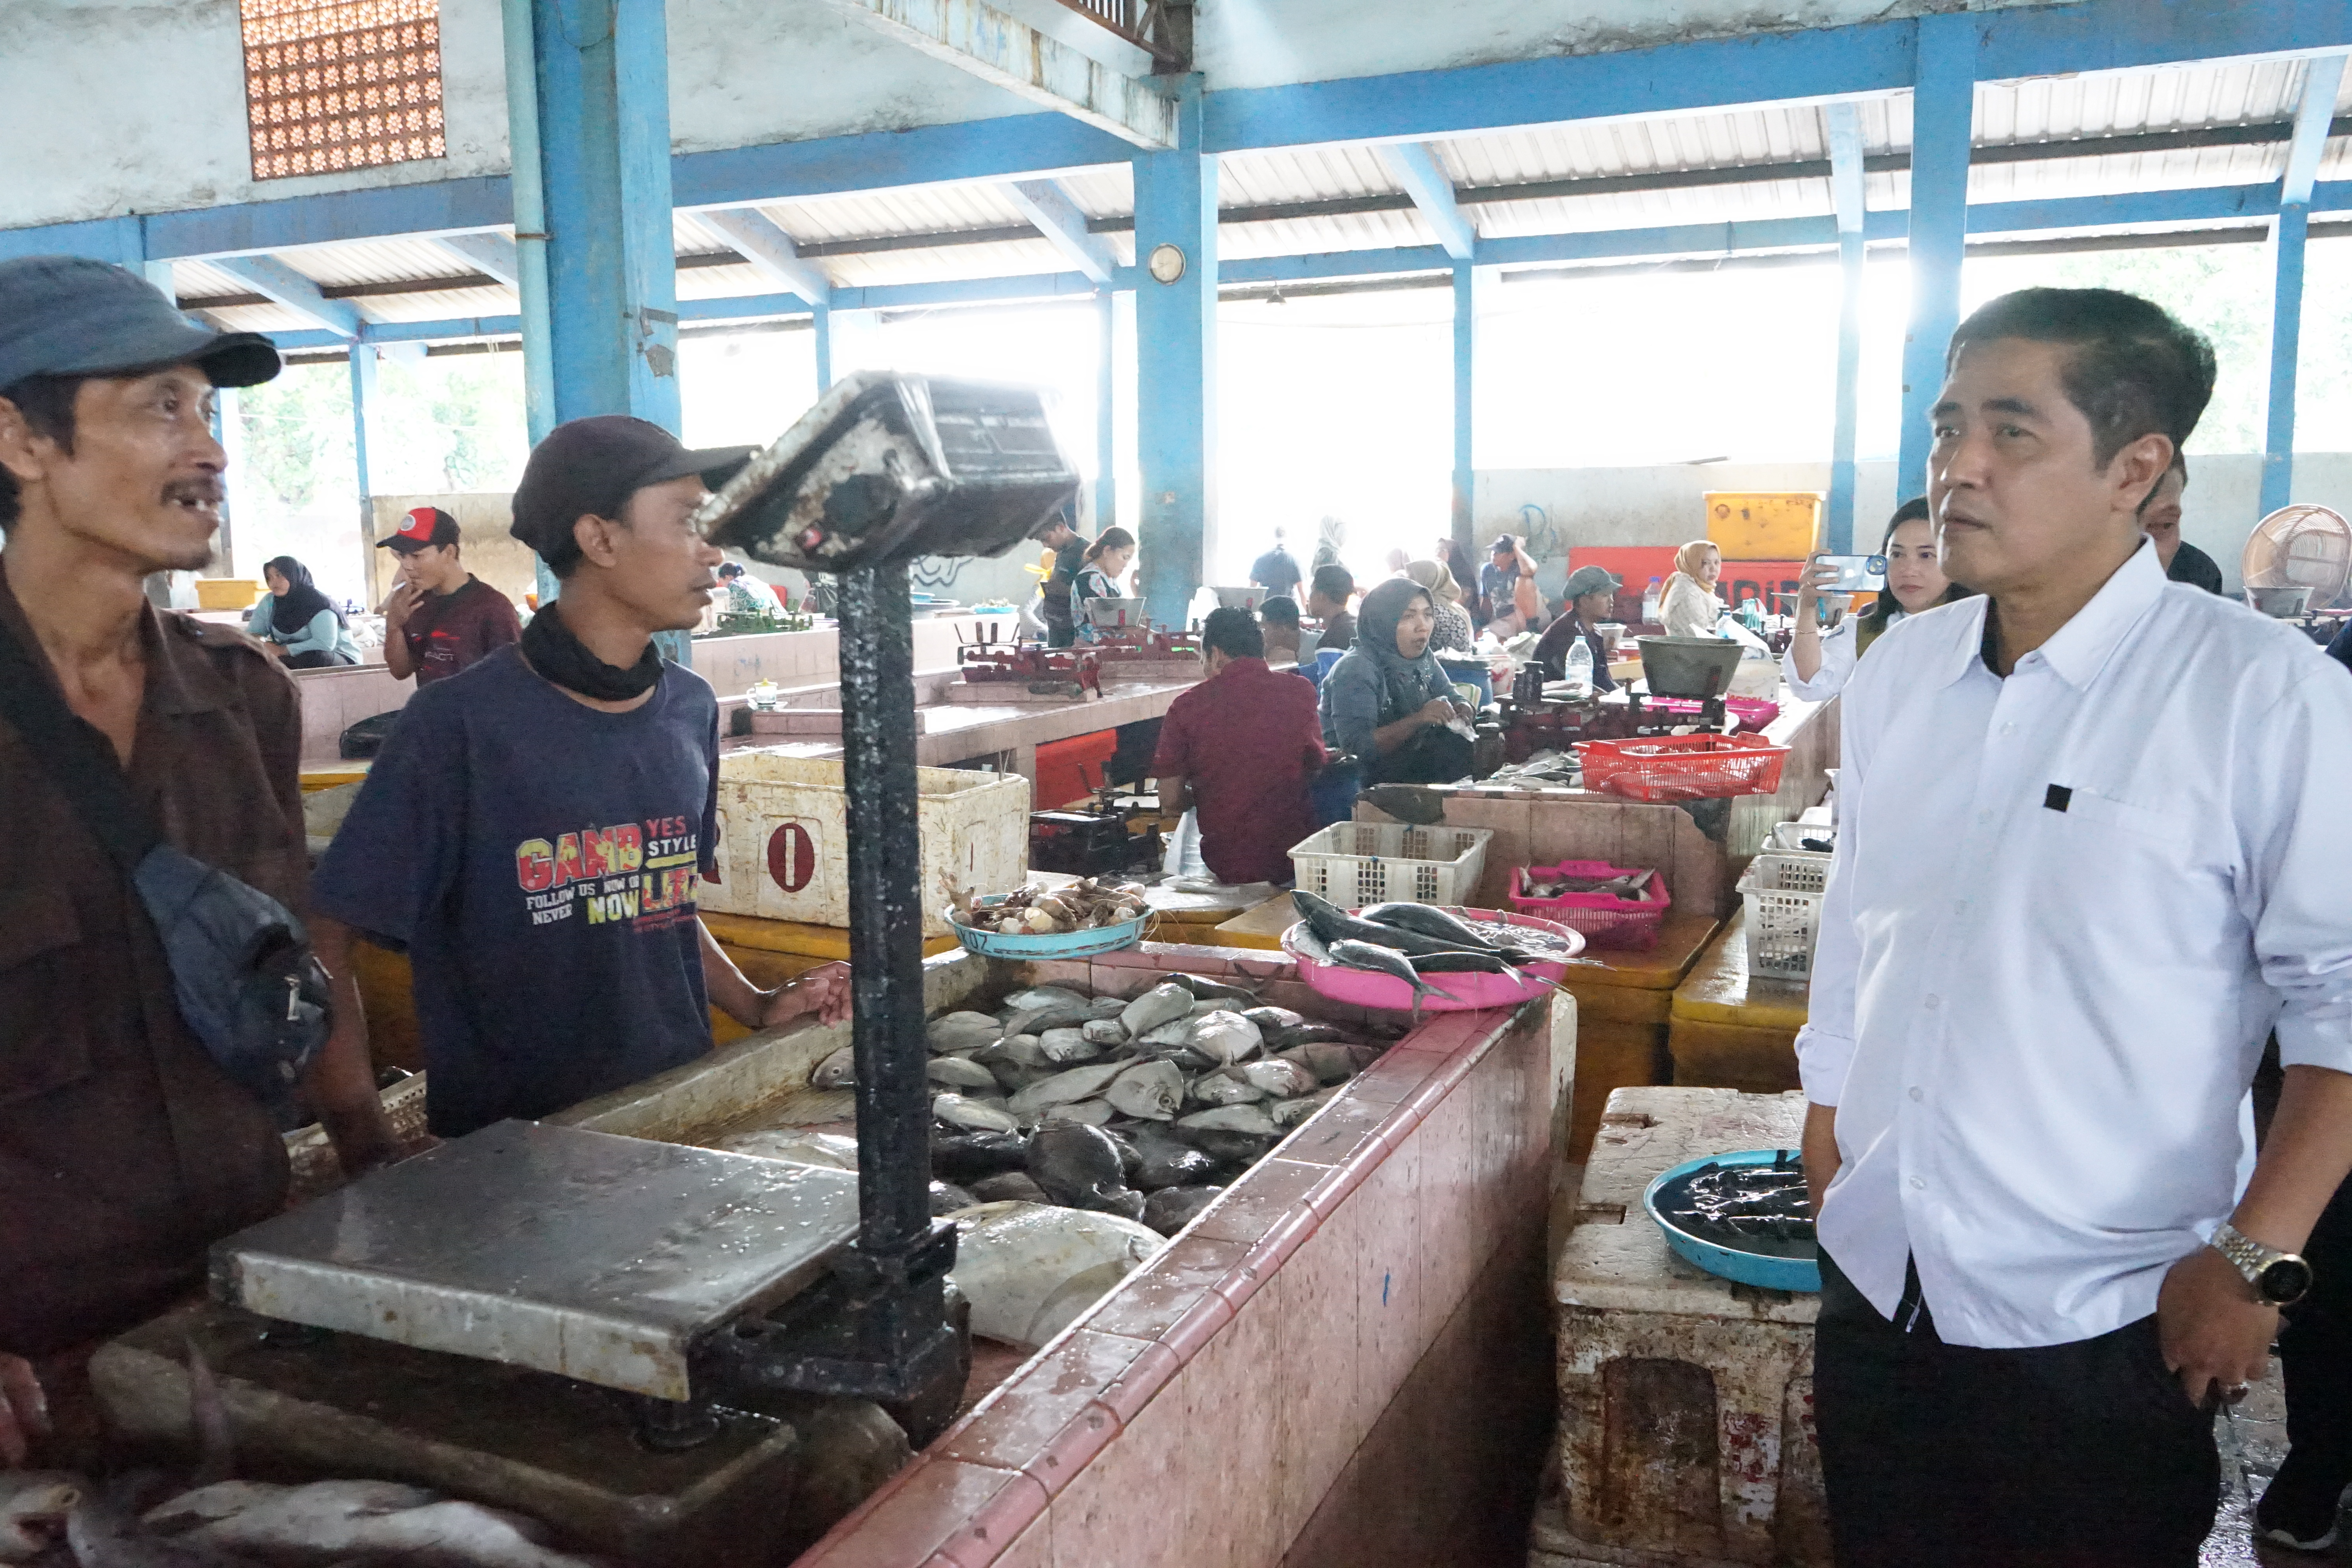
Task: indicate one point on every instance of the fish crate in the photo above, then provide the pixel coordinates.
(1606, 921)
(1783, 890)
(784, 839)
(1354, 864)
(1683, 767)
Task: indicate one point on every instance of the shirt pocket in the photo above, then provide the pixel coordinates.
(2104, 837)
(44, 1016)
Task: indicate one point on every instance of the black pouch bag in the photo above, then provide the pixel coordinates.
(248, 984)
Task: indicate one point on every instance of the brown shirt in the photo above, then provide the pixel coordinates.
(124, 1152)
(446, 632)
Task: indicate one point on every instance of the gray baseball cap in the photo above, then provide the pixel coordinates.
(68, 315)
(1589, 580)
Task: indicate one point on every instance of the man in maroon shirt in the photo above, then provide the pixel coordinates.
(1242, 748)
(440, 617)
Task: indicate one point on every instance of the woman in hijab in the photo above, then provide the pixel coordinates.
(1453, 633)
(1331, 534)
(1388, 702)
(298, 623)
(1689, 608)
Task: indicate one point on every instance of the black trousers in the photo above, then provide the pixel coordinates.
(2315, 1349)
(2077, 1455)
(317, 658)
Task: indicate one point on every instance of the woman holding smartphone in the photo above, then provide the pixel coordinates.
(1818, 664)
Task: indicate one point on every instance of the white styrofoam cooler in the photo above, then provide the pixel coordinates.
(783, 845)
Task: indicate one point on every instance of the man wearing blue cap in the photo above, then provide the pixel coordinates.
(124, 1150)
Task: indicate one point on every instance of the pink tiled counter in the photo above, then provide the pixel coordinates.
(1344, 1360)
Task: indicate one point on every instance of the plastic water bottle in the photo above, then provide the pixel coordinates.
(1579, 666)
(1650, 597)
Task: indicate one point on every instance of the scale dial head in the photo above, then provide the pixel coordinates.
(1166, 263)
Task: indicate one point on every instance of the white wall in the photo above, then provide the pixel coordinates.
(110, 106)
(1661, 505)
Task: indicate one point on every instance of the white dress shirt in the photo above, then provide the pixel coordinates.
(2065, 910)
(1841, 646)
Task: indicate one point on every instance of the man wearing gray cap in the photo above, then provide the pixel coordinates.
(1591, 591)
(124, 1150)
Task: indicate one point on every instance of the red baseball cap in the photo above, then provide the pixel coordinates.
(422, 527)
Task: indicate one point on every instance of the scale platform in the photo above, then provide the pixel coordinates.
(583, 1254)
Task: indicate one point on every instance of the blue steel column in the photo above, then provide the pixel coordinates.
(1176, 364)
(823, 321)
(1846, 180)
(2323, 79)
(602, 81)
(530, 200)
(363, 417)
(1469, 292)
(1105, 410)
(1943, 108)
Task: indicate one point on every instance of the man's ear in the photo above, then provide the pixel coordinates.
(594, 535)
(20, 445)
(2138, 467)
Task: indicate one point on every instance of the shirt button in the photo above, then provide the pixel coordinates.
(1919, 1185)
(1916, 1094)
(1934, 1003)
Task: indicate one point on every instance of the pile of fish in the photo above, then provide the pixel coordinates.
(1086, 905)
(1409, 942)
(1543, 770)
(49, 1518)
(1751, 1208)
(1550, 882)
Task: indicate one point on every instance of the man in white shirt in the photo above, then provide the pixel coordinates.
(2094, 843)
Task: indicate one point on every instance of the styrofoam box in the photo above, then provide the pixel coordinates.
(783, 845)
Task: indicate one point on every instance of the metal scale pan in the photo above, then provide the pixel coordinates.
(594, 1257)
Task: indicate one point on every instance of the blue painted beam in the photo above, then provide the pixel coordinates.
(1418, 172)
(435, 207)
(770, 252)
(1848, 191)
(1176, 364)
(1470, 286)
(490, 253)
(1048, 207)
(1009, 147)
(269, 276)
(2322, 81)
(604, 104)
(1943, 108)
(116, 239)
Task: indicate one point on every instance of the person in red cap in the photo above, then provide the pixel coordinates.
(440, 617)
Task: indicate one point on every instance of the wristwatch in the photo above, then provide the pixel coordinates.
(2279, 1278)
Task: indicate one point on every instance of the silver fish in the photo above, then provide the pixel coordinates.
(1026, 1050)
(1387, 960)
(1052, 1016)
(1250, 1118)
(1272, 1021)
(796, 1144)
(1108, 1006)
(1288, 1113)
(1209, 990)
(1087, 1113)
(838, 1070)
(1227, 1036)
(962, 1031)
(958, 1110)
(1067, 1046)
(1065, 1087)
(1282, 1079)
(1161, 1005)
(1224, 1088)
(1150, 1090)
(1175, 1032)
(103, 1536)
(1331, 1061)
(1105, 1031)
(1039, 996)
(961, 1073)
(34, 1506)
(328, 1521)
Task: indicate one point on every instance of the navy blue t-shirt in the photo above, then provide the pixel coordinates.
(539, 859)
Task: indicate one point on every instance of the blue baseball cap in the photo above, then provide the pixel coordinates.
(70, 315)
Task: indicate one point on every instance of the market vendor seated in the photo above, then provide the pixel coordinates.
(1590, 593)
(1328, 594)
(1388, 702)
(535, 827)
(1241, 748)
(1284, 636)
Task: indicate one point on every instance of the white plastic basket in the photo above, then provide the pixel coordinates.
(1791, 836)
(1354, 864)
(1782, 892)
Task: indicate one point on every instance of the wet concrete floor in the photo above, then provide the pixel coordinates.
(2252, 1438)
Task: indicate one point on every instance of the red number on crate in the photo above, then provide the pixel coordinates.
(792, 856)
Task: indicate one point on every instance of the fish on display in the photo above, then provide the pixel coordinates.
(1204, 989)
(1249, 1119)
(1280, 1078)
(1029, 1050)
(1044, 995)
(1065, 1087)
(1226, 1036)
(962, 1032)
(1309, 1034)
(970, 1157)
(1167, 1161)
(1479, 960)
(1010, 1187)
(1289, 1113)
(961, 1073)
(1334, 924)
(1331, 1061)
(838, 1070)
(1107, 1007)
(1224, 1088)
(946, 1198)
(1079, 1167)
(1152, 1092)
(1176, 1032)
(332, 1521)
(1088, 1113)
(1029, 1269)
(1067, 1046)
(1067, 1015)
(1105, 1032)
(34, 1506)
(104, 1535)
(1161, 1005)
(959, 1110)
(1429, 921)
(1387, 960)
(1272, 1021)
(1170, 1209)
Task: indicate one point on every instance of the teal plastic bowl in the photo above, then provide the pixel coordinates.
(1058, 944)
(1757, 1268)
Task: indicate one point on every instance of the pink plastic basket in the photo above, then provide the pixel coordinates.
(1605, 922)
(1472, 990)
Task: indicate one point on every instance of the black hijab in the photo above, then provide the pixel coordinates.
(1406, 683)
(292, 611)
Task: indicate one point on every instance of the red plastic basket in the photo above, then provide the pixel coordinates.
(1606, 922)
(1683, 767)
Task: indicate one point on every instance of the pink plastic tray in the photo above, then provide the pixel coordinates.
(1362, 988)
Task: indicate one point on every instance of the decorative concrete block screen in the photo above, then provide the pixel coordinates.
(341, 84)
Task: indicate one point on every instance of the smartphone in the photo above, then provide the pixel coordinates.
(1856, 574)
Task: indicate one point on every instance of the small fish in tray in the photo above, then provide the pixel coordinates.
(1627, 888)
(1763, 1209)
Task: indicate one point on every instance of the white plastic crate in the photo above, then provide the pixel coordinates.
(783, 838)
(1791, 836)
(1354, 864)
(1782, 892)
